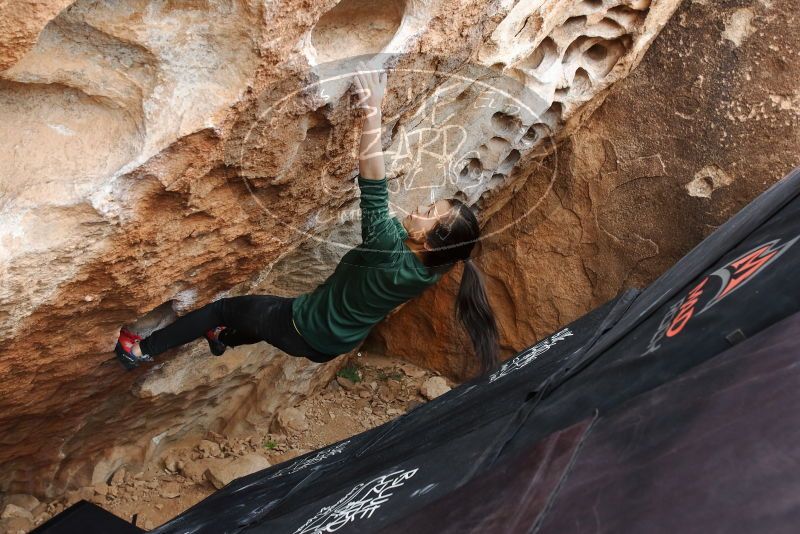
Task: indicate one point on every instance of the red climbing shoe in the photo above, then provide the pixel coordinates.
(123, 349)
(212, 336)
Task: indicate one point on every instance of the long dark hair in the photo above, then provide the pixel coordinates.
(449, 241)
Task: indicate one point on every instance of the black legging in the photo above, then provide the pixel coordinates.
(247, 318)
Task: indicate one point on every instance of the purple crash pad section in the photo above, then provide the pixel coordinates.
(508, 498)
(717, 450)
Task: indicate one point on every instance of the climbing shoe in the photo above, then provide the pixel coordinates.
(212, 336)
(123, 350)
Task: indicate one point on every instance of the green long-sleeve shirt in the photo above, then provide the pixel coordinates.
(371, 279)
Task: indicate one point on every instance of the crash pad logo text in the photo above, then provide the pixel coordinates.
(359, 503)
(732, 277)
(529, 355)
(302, 464)
(686, 310)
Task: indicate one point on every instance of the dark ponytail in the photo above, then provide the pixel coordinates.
(475, 313)
(451, 240)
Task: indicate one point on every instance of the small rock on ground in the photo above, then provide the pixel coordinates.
(209, 449)
(346, 383)
(118, 477)
(12, 510)
(170, 490)
(16, 525)
(434, 387)
(29, 502)
(412, 372)
(195, 470)
(289, 420)
(222, 475)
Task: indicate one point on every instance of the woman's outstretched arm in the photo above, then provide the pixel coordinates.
(371, 87)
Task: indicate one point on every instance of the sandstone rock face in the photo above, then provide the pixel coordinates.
(159, 156)
(20, 25)
(702, 127)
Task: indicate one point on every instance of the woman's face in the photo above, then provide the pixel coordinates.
(422, 220)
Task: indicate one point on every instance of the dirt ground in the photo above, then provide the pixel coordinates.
(366, 393)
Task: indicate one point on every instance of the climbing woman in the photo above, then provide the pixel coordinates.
(394, 263)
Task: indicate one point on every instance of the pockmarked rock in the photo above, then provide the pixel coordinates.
(626, 196)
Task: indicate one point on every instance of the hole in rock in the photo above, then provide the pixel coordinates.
(530, 136)
(534, 134)
(625, 16)
(318, 132)
(597, 52)
(639, 4)
(491, 153)
(603, 55)
(462, 196)
(318, 128)
(517, 74)
(593, 4)
(472, 171)
(553, 114)
(581, 82)
(355, 27)
(608, 28)
(508, 163)
(506, 124)
(498, 144)
(573, 52)
(573, 23)
(475, 167)
(542, 58)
